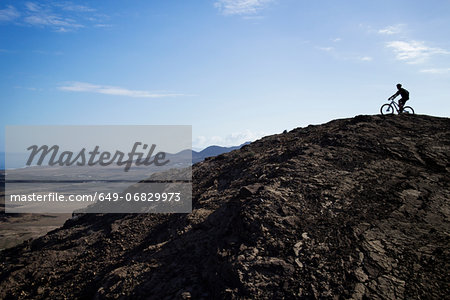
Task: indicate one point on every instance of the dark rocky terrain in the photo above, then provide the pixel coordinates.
(355, 208)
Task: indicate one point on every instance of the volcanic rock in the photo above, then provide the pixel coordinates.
(356, 208)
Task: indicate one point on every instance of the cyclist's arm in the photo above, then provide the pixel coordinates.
(394, 96)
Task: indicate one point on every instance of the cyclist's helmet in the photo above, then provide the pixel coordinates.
(399, 85)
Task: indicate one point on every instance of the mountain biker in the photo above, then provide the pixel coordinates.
(402, 92)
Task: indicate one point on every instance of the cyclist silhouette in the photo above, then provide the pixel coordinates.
(405, 96)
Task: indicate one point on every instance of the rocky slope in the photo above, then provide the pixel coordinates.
(355, 208)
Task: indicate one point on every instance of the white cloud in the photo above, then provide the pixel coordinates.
(344, 56)
(365, 58)
(58, 23)
(436, 71)
(414, 52)
(68, 6)
(56, 15)
(233, 139)
(390, 30)
(10, 13)
(45, 16)
(241, 7)
(32, 6)
(337, 40)
(326, 49)
(100, 25)
(112, 90)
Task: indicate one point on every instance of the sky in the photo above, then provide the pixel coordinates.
(235, 70)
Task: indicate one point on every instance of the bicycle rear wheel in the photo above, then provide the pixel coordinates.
(408, 110)
(387, 109)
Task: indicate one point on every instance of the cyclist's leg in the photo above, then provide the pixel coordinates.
(401, 103)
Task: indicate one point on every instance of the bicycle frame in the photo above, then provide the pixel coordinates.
(396, 106)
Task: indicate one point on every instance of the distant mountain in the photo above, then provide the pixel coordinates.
(213, 151)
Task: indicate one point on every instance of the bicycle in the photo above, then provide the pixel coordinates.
(389, 108)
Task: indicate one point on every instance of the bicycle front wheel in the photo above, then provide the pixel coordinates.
(387, 109)
(408, 110)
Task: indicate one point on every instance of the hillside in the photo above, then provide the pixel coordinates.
(354, 208)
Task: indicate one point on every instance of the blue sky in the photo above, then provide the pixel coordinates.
(233, 69)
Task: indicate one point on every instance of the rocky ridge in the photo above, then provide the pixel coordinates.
(355, 208)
